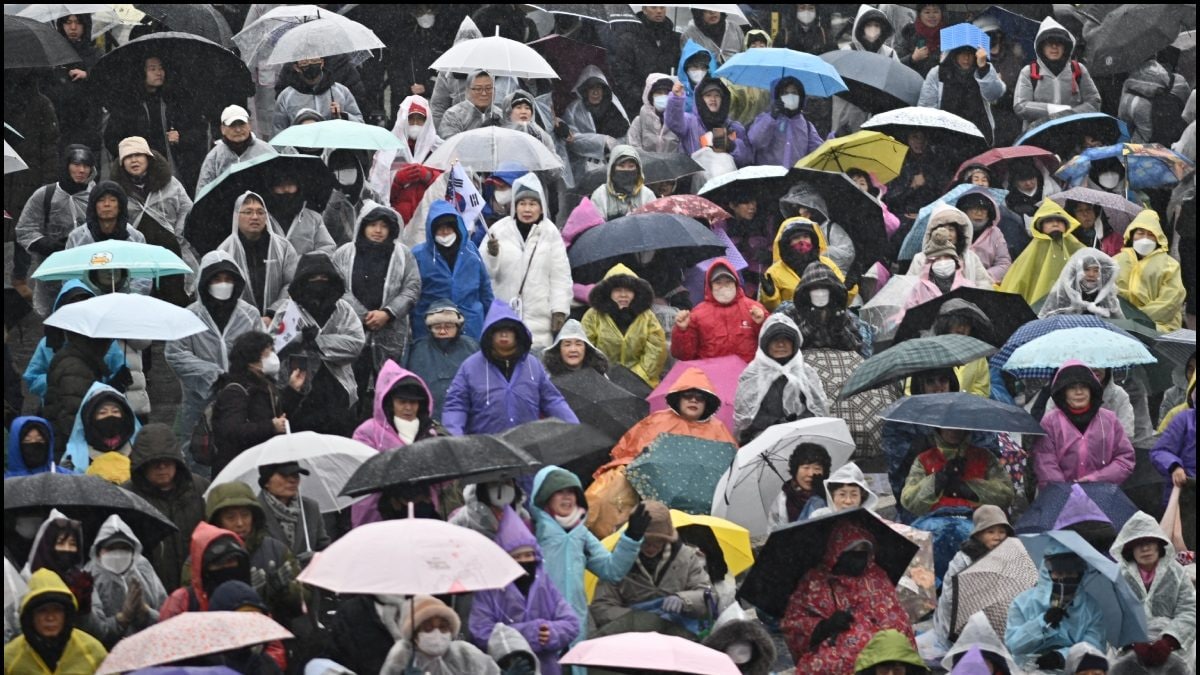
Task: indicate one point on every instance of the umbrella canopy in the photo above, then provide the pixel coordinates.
(12, 161)
(497, 55)
(49, 12)
(1124, 617)
(991, 584)
(472, 458)
(1096, 347)
(321, 38)
(127, 316)
(487, 148)
(1118, 211)
(143, 261)
(436, 557)
(861, 411)
(916, 236)
(209, 74)
(766, 183)
(913, 356)
(1040, 327)
(33, 44)
(748, 488)
(964, 35)
(960, 410)
(794, 549)
(339, 134)
(868, 151)
(722, 371)
(649, 651)
(657, 167)
(569, 58)
(1131, 34)
(1017, 29)
(691, 206)
(681, 14)
(680, 471)
(1061, 504)
(944, 129)
(188, 635)
(997, 159)
(1007, 312)
(257, 41)
(874, 82)
(601, 13)
(90, 500)
(763, 67)
(856, 211)
(680, 240)
(553, 441)
(1178, 346)
(1064, 135)
(600, 403)
(330, 461)
(197, 19)
(1148, 165)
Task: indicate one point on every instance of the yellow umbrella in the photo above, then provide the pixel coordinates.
(733, 539)
(868, 151)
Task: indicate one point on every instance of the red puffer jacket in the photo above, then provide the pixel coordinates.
(715, 329)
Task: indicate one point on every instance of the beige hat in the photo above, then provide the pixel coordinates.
(134, 145)
(425, 607)
(990, 515)
(234, 113)
(939, 245)
(660, 526)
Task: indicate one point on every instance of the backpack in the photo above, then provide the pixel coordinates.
(1166, 118)
(203, 445)
(1035, 74)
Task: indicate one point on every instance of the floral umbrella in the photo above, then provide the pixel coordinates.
(1147, 165)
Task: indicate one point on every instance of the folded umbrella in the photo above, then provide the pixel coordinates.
(1147, 165)
(33, 44)
(638, 652)
(960, 410)
(1178, 346)
(189, 635)
(12, 161)
(600, 403)
(747, 490)
(322, 38)
(1095, 347)
(856, 211)
(553, 441)
(1007, 312)
(914, 356)
(761, 68)
(861, 411)
(691, 206)
(497, 55)
(1040, 327)
(196, 19)
(487, 148)
(127, 316)
(142, 261)
(1118, 212)
(997, 159)
(473, 458)
(1060, 504)
(682, 241)
(916, 236)
(722, 371)
(211, 75)
(870, 151)
(874, 82)
(991, 584)
(766, 183)
(338, 134)
(1064, 135)
(1131, 34)
(680, 471)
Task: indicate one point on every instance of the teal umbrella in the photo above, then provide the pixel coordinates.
(681, 471)
(340, 134)
(914, 356)
(143, 261)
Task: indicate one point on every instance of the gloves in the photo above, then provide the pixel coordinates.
(768, 286)
(48, 245)
(1153, 654)
(81, 583)
(279, 578)
(639, 520)
(258, 580)
(1097, 310)
(830, 628)
(959, 488)
(1051, 661)
(413, 173)
(561, 130)
(304, 557)
(310, 333)
(493, 246)
(672, 604)
(520, 666)
(941, 480)
(1055, 615)
(134, 605)
(121, 379)
(557, 320)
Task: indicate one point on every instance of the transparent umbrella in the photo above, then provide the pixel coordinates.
(484, 150)
(257, 40)
(497, 55)
(323, 37)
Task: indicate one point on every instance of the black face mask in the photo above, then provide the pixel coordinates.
(625, 182)
(852, 563)
(1056, 235)
(312, 72)
(286, 205)
(530, 568)
(35, 454)
(214, 578)
(108, 427)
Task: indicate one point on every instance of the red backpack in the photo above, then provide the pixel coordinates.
(1035, 74)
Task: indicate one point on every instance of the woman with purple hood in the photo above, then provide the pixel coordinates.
(782, 135)
(1084, 442)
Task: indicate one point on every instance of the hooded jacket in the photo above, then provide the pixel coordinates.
(593, 136)
(1147, 81)
(607, 200)
(1102, 453)
(464, 115)
(1027, 634)
(642, 346)
(794, 387)
(15, 466)
(467, 284)
(990, 87)
(39, 363)
(72, 372)
(679, 571)
(689, 50)
(280, 260)
(536, 126)
(858, 40)
(220, 157)
(1177, 444)
(726, 633)
(979, 634)
(1054, 95)
(1152, 283)
(436, 361)
(181, 599)
(552, 355)
(385, 162)
(81, 652)
(34, 225)
(847, 474)
(160, 206)
(302, 96)
(832, 326)
(506, 641)
(89, 232)
(540, 605)
(783, 277)
(990, 246)
(1066, 296)
(888, 646)
(80, 452)
(648, 132)
(692, 131)
(1170, 598)
(109, 588)
(716, 329)
(731, 39)
(840, 247)
(267, 553)
(972, 268)
(1039, 266)
(780, 136)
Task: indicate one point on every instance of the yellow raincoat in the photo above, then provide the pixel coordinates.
(783, 276)
(642, 348)
(83, 653)
(1034, 272)
(1152, 284)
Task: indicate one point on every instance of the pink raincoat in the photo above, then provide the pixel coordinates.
(1101, 454)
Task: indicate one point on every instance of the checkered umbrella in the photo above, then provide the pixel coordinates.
(861, 411)
(990, 585)
(914, 356)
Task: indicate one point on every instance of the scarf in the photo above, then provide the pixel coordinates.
(238, 148)
(960, 95)
(1147, 575)
(932, 36)
(623, 318)
(714, 32)
(288, 515)
(50, 649)
(797, 497)
(1081, 418)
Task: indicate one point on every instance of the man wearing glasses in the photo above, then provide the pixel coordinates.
(478, 110)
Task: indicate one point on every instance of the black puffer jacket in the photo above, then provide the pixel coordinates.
(72, 371)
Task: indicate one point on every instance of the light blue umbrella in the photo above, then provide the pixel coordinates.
(916, 236)
(341, 134)
(127, 316)
(1096, 347)
(964, 35)
(143, 261)
(760, 67)
(1125, 620)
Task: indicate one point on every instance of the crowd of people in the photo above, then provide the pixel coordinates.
(390, 308)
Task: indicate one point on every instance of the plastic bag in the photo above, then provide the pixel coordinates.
(610, 500)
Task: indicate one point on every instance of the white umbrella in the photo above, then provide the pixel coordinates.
(12, 161)
(258, 40)
(330, 460)
(323, 37)
(681, 13)
(929, 118)
(497, 55)
(484, 149)
(49, 12)
(127, 316)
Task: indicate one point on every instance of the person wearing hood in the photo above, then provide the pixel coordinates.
(648, 132)
(72, 371)
(477, 110)
(888, 653)
(70, 90)
(960, 317)
(1039, 266)
(450, 89)
(126, 592)
(709, 124)
(572, 351)
(745, 641)
(593, 122)
(845, 489)
(107, 218)
(804, 200)
(525, 256)
(802, 492)
(1084, 659)
(782, 135)
(954, 473)
(49, 641)
(1084, 442)
(1174, 454)
(1150, 279)
(264, 658)
(427, 642)
(1045, 621)
(31, 448)
(511, 651)
(924, 171)
(625, 188)
(840, 603)
(988, 243)
(1008, 56)
(451, 268)
(1175, 398)
(105, 423)
(520, 111)
(237, 144)
(725, 322)
(363, 630)
(531, 604)
(919, 45)
(1147, 82)
(291, 216)
(621, 324)
(942, 266)
(716, 32)
(58, 547)
(1094, 230)
(966, 84)
(51, 213)
(36, 371)
(980, 637)
(265, 257)
(819, 309)
(1054, 85)
(871, 32)
(807, 30)
(503, 369)
(639, 51)
(215, 556)
(777, 386)
(436, 357)
(315, 88)
(1088, 285)
(399, 176)
(799, 242)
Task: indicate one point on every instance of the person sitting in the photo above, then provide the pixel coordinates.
(266, 258)
(943, 270)
(1045, 621)
(1084, 442)
(782, 135)
(451, 269)
(49, 641)
(799, 497)
(798, 243)
(572, 351)
(725, 322)
(715, 31)
(625, 188)
(126, 592)
(621, 324)
(1087, 285)
(237, 144)
(1055, 84)
(709, 125)
(819, 309)
(315, 89)
(648, 132)
(426, 641)
(104, 424)
(777, 386)
(107, 218)
(591, 123)
(262, 658)
(987, 239)
(54, 339)
(521, 115)
(436, 357)
(960, 317)
(1094, 229)
(30, 448)
(1039, 266)
(477, 110)
(1174, 455)
(949, 224)
(845, 489)
(889, 652)
(400, 176)
(980, 637)
(292, 218)
(216, 556)
(58, 547)
(1150, 279)
(288, 516)
(806, 200)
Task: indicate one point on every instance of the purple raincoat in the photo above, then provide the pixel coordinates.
(1177, 445)
(690, 130)
(543, 606)
(780, 140)
(1101, 454)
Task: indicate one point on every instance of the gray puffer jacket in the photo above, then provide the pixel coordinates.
(1038, 101)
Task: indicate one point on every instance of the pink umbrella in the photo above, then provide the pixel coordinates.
(189, 635)
(650, 651)
(995, 158)
(722, 371)
(692, 206)
(435, 557)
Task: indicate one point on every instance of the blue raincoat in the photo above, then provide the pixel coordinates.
(1027, 634)
(77, 445)
(467, 284)
(16, 463)
(39, 363)
(689, 89)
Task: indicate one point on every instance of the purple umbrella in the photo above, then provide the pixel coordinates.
(1118, 211)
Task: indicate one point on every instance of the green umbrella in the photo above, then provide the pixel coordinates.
(914, 356)
(143, 261)
(341, 134)
(681, 471)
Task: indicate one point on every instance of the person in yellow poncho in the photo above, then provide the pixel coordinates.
(798, 242)
(622, 326)
(1149, 277)
(1035, 271)
(49, 642)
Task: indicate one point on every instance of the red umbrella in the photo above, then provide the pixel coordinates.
(996, 158)
(691, 206)
(722, 371)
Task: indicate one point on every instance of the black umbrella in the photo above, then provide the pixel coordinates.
(475, 458)
(657, 167)
(876, 82)
(793, 550)
(1133, 33)
(600, 403)
(211, 75)
(853, 209)
(1007, 311)
(202, 20)
(628, 380)
(960, 410)
(553, 441)
(32, 44)
(210, 219)
(681, 240)
(90, 500)
(1047, 511)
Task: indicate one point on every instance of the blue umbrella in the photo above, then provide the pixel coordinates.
(1125, 619)
(915, 237)
(1016, 28)
(1046, 513)
(1096, 347)
(143, 261)
(964, 35)
(1147, 165)
(960, 410)
(761, 67)
(1063, 135)
(1040, 327)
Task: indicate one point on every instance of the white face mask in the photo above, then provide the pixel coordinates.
(503, 195)
(819, 297)
(660, 102)
(1028, 193)
(446, 241)
(724, 295)
(790, 101)
(696, 74)
(1145, 246)
(27, 526)
(414, 130)
(806, 17)
(872, 33)
(501, 493)
(426, 20)
(407, 429)
(221, 290)
(434, 642)
(944, 268)
(1109, 179)
(270, 365)
(117, 562)
(740, 652)
(346, 176)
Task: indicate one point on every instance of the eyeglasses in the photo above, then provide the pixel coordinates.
(482, 90)
(253, 213)
(691, 396)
